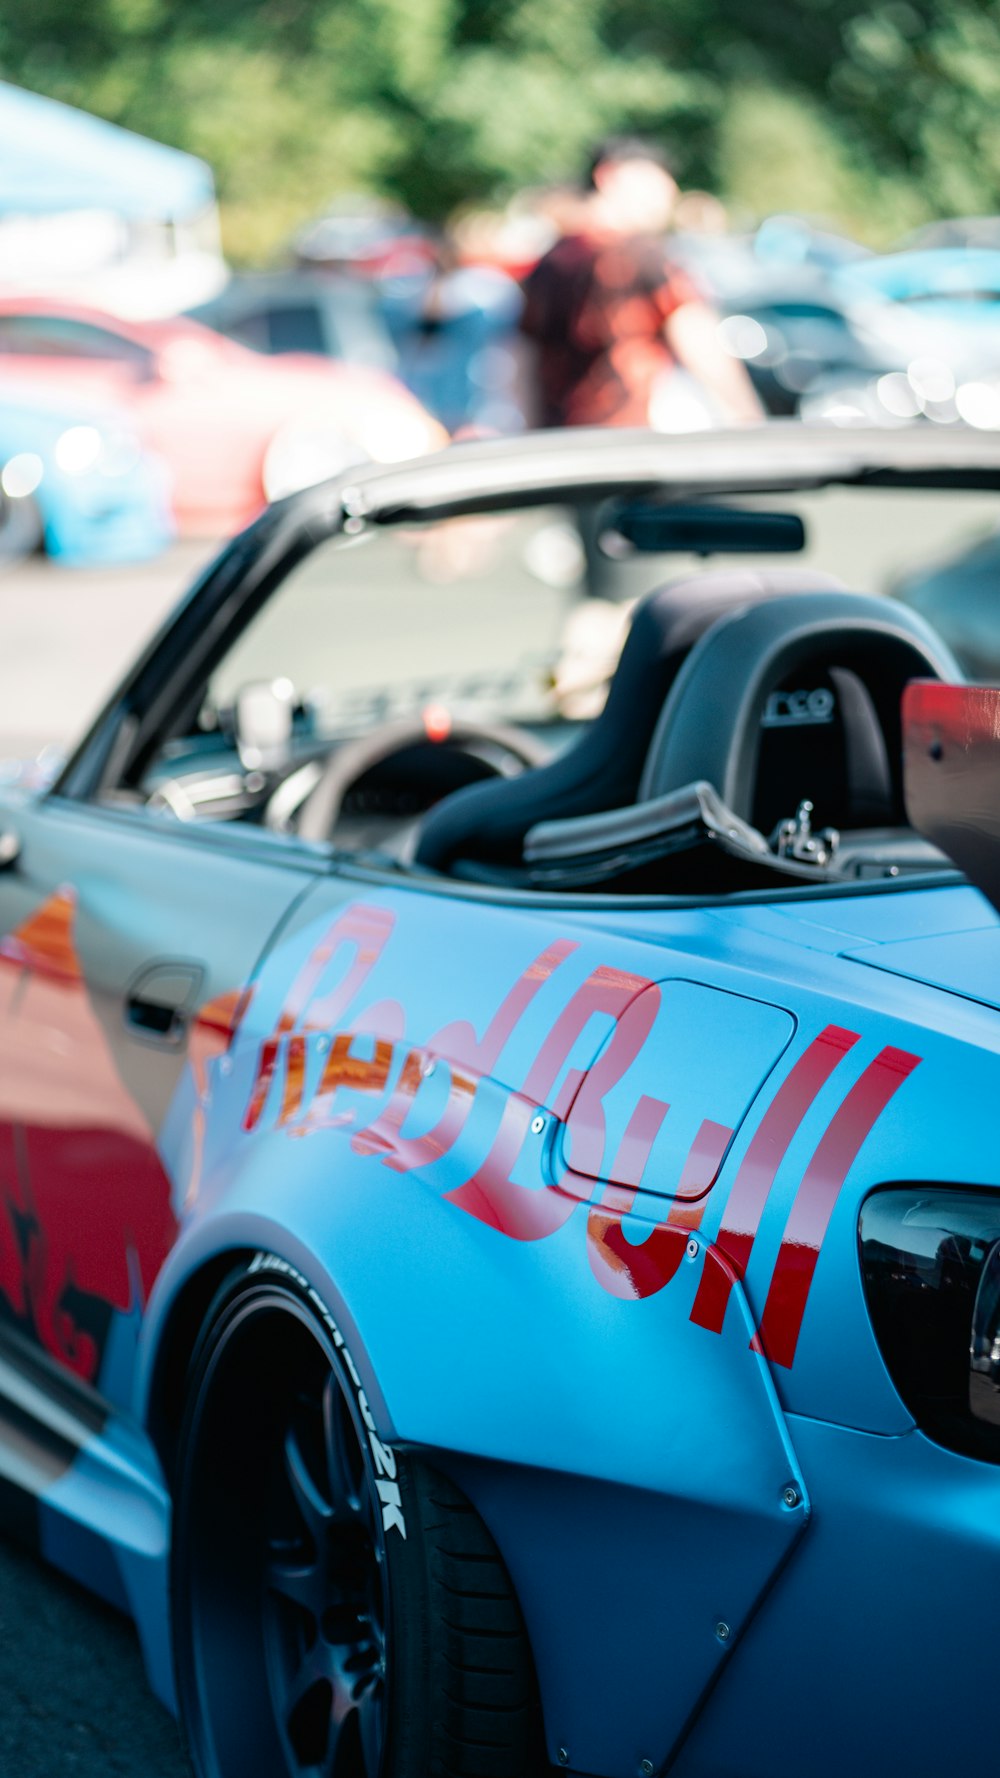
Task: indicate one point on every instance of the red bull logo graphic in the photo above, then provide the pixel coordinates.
(85, 1204)
(624, 1267)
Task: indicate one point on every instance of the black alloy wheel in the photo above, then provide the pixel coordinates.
(325, 1607)
(320, 1632)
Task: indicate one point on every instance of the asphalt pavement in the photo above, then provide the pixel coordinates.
(74, 1702)
(67, 635)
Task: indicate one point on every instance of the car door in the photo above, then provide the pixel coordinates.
(74, 354)
(126, 944)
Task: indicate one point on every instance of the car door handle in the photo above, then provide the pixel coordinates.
(155, 1018)
(160, 1001)
(10, 847)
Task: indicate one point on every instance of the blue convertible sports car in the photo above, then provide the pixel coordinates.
(499, 1196)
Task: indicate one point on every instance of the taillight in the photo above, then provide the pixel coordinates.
(931, 1265)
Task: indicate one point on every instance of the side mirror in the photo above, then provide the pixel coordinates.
(264, 711)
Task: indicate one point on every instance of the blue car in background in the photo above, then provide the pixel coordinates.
(952, 292)
(931, 324)
(76, 482)
(949, 278)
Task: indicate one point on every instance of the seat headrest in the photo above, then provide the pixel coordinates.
(835, 657)
(601, 771)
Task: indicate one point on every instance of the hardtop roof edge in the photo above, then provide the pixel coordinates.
(780, 456)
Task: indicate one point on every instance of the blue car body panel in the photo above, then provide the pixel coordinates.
(941, 273)
(588, 1369)
(116, 509)
(896, 1524)
(950, 291)
(574, 1403)
(576, 1190)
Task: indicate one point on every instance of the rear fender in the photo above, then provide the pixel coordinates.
(635, 1470)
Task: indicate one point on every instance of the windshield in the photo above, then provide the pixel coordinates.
(470, 611)
(521, 615)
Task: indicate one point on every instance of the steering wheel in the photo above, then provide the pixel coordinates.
(322, 804)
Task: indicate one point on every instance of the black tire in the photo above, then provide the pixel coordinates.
(323, 1630)
(22, 531)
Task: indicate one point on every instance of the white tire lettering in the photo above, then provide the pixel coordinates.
(385, 1460)
(392, 1509)
(383, 1456)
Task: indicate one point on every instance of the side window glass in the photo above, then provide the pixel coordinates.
(296, 327)
(53, 336)
(467, 613)
(370, 655)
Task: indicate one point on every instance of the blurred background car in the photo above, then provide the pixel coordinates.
(444, 301)
(236, 429)
(955, 231)
(952, 292)
(76, 483)
(831, 331)
(301, 310)
(795, 331)
(936, 312)
(455, 330)
(782, 310)
(365, 236)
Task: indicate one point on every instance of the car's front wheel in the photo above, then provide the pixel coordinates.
(22, 531)
(340, 1611)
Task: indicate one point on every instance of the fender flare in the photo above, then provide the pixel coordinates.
(547, 1402)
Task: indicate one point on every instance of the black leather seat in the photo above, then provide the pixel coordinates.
(487, 822)
(796, 698)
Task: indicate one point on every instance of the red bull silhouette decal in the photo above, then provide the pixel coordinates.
(625, 1268)
(98, 1159)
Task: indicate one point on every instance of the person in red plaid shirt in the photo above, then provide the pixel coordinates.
(611, 319)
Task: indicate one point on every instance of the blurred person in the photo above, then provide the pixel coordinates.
(590, 647)
(556, 209)
(513, 238)
(699, 213)
(621, 335)
(456, 336)
(614, 323)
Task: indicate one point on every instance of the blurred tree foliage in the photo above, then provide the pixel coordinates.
(872, 116)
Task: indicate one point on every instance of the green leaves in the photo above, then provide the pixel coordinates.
(872, 115)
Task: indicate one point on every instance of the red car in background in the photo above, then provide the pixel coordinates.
(236, 429)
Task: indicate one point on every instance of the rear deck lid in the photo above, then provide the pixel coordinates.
(965, 963)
